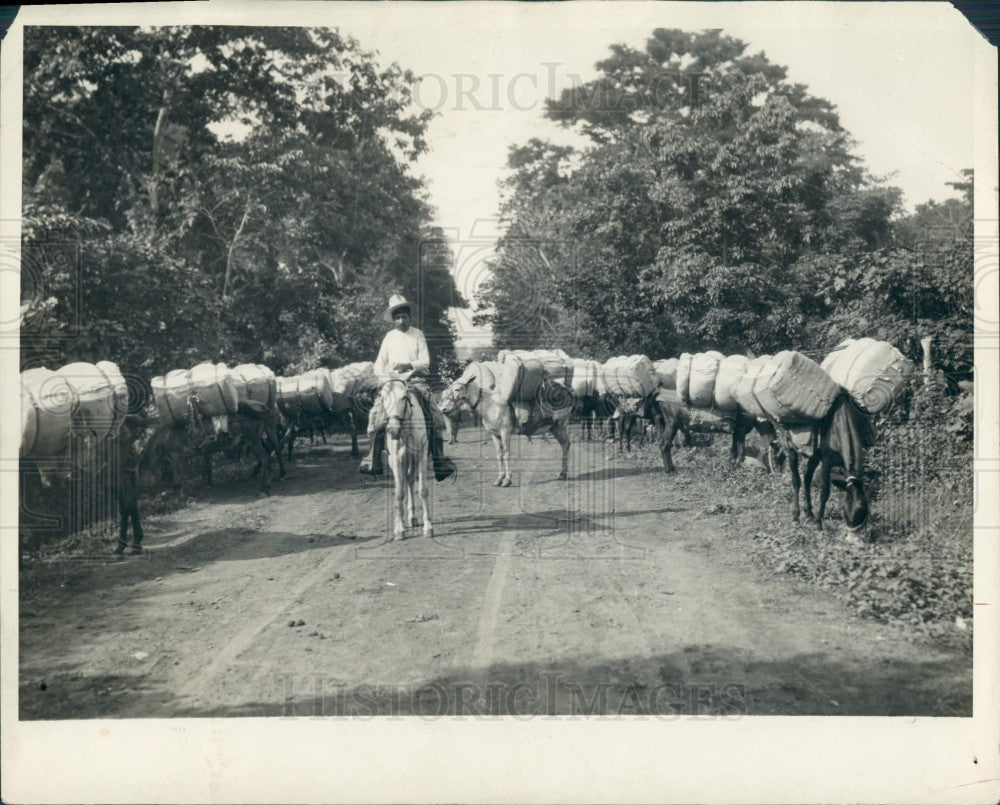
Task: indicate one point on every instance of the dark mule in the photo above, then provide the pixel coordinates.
(669, 416)
(171, 448)
(253, 427)
(590, 408)
(838, 440)
(320, 424)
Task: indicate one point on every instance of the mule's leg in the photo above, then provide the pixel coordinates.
(824, 490)
(505, 438)
(273, 435)
(793, 465)
(561, 434)
(206, 468)
(498, 444)
(807, 484)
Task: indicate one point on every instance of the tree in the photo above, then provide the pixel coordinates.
(268, 166)
(698, 222)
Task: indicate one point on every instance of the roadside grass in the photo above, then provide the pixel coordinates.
(911, 566)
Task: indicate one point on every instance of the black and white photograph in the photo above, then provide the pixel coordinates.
(499, 402)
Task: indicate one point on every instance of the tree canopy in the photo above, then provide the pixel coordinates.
(224, 193)
(727, 213)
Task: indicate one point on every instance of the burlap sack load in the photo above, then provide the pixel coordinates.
(338, 402)
(98, 393)
(306, 393)
(627, 376)
(47, 404)
(521, 374)
(701, 385)
(872, 372)
(354, 378)
(744, 388)
(684, 377)
(584, 377)
(485, 373)
(793, 388)
(170, 394)
(557, 364)
(666, 372)
(215, 389)
(730, 373)
(254, 381)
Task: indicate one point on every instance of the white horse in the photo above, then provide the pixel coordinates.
(549, 415)
(407, 446)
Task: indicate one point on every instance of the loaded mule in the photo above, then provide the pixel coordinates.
(837, 442)
(670, 416)
(172, 447)
(549, 413)
(347, 411)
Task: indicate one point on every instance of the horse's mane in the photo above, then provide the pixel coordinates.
(850, 432)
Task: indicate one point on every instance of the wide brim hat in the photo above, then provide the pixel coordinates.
(396, 301)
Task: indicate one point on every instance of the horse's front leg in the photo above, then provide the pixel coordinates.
(561, 434)
(423, 489)
(411, 482)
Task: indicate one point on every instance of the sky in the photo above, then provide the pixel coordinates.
(902, 85)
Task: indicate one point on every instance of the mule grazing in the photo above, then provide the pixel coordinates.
(838, 440)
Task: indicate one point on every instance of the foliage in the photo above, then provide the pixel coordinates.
(266, 170)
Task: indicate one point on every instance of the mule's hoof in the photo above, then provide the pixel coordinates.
(562, 476)
(506, 482)
(428, 531)
(498, 482)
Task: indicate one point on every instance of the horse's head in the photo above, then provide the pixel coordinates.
(394, 396)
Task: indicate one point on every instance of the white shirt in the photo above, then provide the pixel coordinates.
(400, 347)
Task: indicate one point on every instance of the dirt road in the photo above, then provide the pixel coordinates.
(614, 592)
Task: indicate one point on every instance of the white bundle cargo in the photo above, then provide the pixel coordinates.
(95, 410)
(309, 393)
(485, 373)
(521, 374)
(584, 376)
(872, 372)
(170, 395)
(256, 382)
(558, 366)
(627, 376)
(47, 404)
(119, 388)
(701, 385)
(731, 371)
(684, 377)
(666, 372)
(338, 402)
(792, 388)
(213, 384)
(354, 378)
(744, 388)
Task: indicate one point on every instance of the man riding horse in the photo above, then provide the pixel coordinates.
(403, 356)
